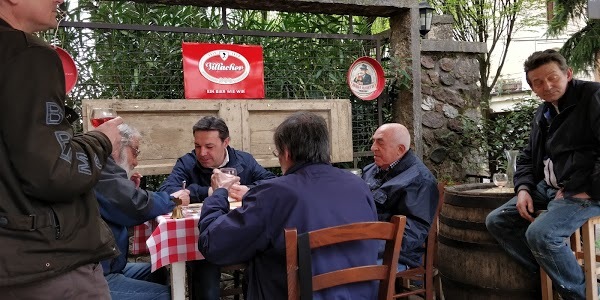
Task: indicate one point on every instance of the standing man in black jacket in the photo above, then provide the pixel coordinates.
(558, 174)
(51, 232)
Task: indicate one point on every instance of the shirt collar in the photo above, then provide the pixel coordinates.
(392, 165)
(226, 160)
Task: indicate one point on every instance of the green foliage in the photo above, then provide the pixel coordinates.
(510, 130)
(490, 137)
(131, 64)
(564, 11)
(581, 48)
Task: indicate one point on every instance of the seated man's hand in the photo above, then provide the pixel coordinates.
(183, 195)
(222, 180)
(237, 191)
(136, 178)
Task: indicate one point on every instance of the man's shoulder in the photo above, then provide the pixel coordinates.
(113, 170)
(586, 86)
(17, 41)
(188, 158)
(243, 156)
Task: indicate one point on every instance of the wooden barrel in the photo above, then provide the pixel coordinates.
(471, 263)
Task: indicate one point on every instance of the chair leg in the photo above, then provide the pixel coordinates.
(546, 285)
(589, 258)
(437, 286)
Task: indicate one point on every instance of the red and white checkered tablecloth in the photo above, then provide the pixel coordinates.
(140, 234)
(174, 240)
(170, 240)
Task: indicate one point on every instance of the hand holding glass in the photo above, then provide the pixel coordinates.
(101, 115)
(500, 179)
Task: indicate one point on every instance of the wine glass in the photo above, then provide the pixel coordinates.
(500, 179)
(101, 115)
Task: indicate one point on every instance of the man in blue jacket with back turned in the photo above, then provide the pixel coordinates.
(211, 150)
(311, 195)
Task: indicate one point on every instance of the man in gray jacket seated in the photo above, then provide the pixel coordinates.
(123, 204)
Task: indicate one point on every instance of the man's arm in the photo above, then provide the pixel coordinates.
(524, 177)
(594, 191)
(122, 203)
(419, 205)
(231, 237)
(52, 164)
(174, 183)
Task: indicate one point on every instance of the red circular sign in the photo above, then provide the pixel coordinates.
(365, 78)
(69, 68)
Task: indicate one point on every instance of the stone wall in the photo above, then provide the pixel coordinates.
(450, 92)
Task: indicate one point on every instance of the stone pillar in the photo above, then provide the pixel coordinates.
(405, 48)
(449, 77)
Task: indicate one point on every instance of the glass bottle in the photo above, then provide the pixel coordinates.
(511, 167)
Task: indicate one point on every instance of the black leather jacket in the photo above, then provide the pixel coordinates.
(49, 218)
(571, 140)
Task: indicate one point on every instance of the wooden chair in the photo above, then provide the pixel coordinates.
(586, 255)
(392, 232)
(426, 271)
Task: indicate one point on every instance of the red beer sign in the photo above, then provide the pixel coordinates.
(366, 78)
(222, 71)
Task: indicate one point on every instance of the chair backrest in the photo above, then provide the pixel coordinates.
(425, 272)
(391, 232)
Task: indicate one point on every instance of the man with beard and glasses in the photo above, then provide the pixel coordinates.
(124, 204)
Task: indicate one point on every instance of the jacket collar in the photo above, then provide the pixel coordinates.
(298, 166)
(569, 98)
(405, 162)
(4, 23)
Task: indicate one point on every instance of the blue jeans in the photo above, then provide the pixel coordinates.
(132, 284)
(544, 242)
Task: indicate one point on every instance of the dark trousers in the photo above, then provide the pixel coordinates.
(204, 280)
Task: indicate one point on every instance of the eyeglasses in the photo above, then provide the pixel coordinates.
(275, 153)
(136, 151)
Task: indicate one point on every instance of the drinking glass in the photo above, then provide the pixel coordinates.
(500, 179)
(101, 115)
(230, 171)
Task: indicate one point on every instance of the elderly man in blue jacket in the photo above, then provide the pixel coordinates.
(311, 195)
(402, 185)
(211, 151)
(123, 204)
